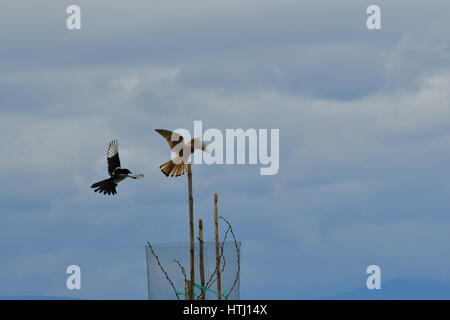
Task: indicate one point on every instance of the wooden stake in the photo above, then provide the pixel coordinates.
(216, 222)
(201, 260)
(191, 233)
(187, 290)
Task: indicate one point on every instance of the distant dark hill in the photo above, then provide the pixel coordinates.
(35, 298)
(397, 289)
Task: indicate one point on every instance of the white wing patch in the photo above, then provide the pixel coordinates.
(113, 148)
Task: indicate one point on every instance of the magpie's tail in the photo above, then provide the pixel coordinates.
(100, 183)
(106, 186)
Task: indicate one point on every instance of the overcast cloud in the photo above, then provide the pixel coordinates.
(364, 119)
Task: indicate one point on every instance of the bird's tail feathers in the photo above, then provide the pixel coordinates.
(100, 183)
(169, 168)
(106, 186)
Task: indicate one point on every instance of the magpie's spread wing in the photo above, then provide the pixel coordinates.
(113, 156)
(172, 138)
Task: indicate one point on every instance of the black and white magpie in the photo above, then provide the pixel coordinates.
(117, 174)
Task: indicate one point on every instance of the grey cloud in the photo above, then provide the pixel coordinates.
(363, 120)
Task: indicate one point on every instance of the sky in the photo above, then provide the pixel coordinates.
(364, 120)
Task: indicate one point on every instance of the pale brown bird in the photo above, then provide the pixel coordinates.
(178, 166)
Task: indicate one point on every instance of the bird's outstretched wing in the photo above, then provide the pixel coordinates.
(171, 137)
(113, 156)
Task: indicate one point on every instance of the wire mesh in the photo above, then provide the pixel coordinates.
(174, 257)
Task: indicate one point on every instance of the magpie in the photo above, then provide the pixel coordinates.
(178, 165)
(116, 173)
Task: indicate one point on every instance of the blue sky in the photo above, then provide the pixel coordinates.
(364, 120)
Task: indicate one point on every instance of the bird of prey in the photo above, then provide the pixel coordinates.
(116, 173)
(178, 166)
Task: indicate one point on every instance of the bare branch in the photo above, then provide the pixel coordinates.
(212, 279)
(163, 270)
(238, 257)
(183, 271)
